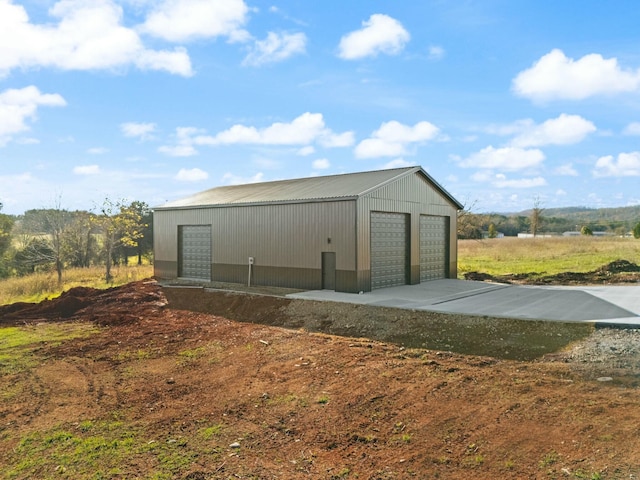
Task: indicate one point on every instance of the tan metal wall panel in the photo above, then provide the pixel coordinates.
(287, 235)
(412, 195)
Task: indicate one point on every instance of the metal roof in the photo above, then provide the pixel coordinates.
(325, 188)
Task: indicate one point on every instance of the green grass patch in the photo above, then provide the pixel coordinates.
(43, 285)
(209, 352)
(501, 256)
(210, 432)
(18, 344)
(106, 449)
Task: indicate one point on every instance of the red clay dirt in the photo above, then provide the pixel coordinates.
(307, 405)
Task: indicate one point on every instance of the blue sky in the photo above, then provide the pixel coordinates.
(502, 102)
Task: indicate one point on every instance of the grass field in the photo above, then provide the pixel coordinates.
(500, 256)
(39, 286)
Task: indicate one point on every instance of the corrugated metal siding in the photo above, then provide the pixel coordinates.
(313, 188)
(413, 195)
(283, 235)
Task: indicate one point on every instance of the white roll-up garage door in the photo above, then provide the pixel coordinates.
(389, 249)
(195, 251)
(433, 247)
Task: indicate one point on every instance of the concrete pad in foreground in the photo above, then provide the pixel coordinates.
(621, 305)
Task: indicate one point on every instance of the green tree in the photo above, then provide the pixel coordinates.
(139, 238)
(493, 231)
(585, 230)
(119, 225)
(6, 226)
(636, 231)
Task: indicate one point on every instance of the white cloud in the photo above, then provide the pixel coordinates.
(231, 179)
(88, 35)
(191, 175)
(142, 131)
(379, 34)
(436, 52)
(184, 143)
(86, 170)
(321, 164)
(632, 129)
(333, 140)
(306, 151)
(507, 158)
(501, 181)
(393, 138)
(185, 20)
(556, 77)
(275, 48)
(97, 150)
(377, 147)
(398, 163)
(303, 130)
(566, 170)
(560, 193)
(19, 105)
(564, 130)
(626, 165)
(178, 150)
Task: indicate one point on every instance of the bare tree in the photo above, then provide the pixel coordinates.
(79, 245)
(469, 222)
(48, 228)
(535, 219)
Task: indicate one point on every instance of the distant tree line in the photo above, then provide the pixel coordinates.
(537, 222)
(52, 239)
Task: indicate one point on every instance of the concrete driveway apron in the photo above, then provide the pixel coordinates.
(607, 305)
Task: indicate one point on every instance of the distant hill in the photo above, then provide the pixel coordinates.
(618, 216)
(619, 221)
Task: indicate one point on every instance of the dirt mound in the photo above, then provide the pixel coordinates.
(616, 272)
(113, 306)
(619, 266)
(482, 277)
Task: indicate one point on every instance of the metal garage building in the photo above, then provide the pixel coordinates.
(349, 233)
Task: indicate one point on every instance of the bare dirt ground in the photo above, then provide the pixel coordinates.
(288, 402)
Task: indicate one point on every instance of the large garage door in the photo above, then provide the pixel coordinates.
(195, 251)
(389, 249)
(434, 252)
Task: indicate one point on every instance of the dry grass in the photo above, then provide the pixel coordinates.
(502, 256)
(39, 286)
